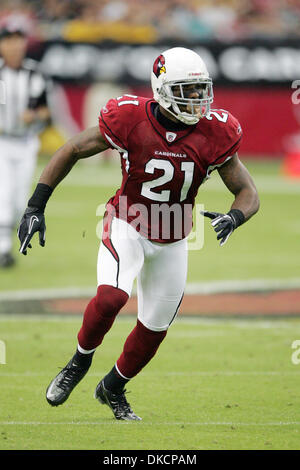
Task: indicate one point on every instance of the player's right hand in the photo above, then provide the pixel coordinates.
(32, 221)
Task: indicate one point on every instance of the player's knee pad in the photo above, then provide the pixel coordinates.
(109, 300)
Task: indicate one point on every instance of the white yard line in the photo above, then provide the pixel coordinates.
(42, 294)
(250, 285)
(144, 423)
(253, 323)
(215, 373)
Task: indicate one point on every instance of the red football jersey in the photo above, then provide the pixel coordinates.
(162, 170)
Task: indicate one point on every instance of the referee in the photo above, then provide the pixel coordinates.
(23, 114)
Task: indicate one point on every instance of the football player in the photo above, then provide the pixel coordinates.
(168, 146)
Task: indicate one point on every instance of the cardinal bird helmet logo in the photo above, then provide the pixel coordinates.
(159, 66)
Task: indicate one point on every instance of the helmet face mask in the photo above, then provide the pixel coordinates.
(190, 100)
(181, 85)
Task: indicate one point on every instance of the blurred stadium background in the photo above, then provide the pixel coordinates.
(97, 49)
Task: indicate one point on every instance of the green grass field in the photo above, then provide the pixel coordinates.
(215, 384)
(223, 384)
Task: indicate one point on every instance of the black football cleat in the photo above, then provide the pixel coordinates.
(117, 402)
(63, 384)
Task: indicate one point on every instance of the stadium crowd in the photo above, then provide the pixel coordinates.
(147, 21)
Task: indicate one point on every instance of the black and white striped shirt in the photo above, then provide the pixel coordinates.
(24, 88)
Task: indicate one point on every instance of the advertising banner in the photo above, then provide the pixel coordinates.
(251, 62)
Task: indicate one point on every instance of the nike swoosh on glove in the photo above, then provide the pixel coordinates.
(225, 224)
(32, 221)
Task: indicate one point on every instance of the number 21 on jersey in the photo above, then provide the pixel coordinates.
(164, 195)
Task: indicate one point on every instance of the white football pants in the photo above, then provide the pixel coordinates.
(160, 269)
(17, 164)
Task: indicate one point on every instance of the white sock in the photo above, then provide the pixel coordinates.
(85, 351)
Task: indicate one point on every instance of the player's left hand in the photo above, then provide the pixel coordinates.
(32, 221)
(223, 224)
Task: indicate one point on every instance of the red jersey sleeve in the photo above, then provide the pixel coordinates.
(113, 124)
(228, 138)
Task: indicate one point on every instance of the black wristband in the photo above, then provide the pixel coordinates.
(237, 216)
(40, 196)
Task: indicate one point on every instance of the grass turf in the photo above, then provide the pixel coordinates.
(225, 384)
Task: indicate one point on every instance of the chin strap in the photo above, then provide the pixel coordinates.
(183, 118)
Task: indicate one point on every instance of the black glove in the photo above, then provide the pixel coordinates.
(225, 224)
(32, 221)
